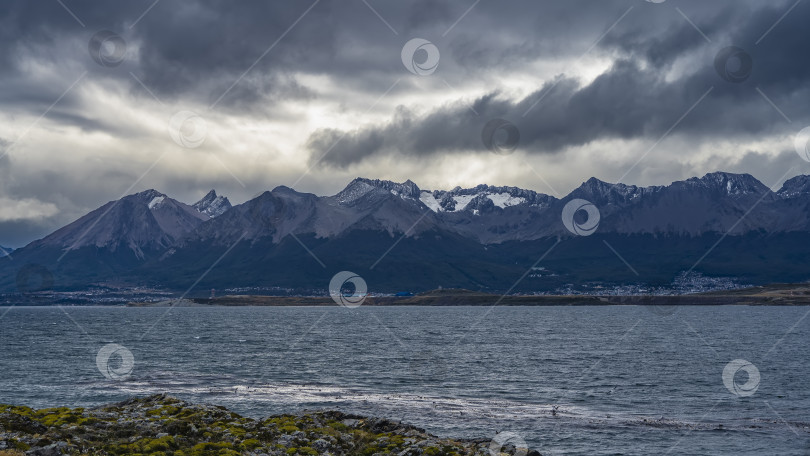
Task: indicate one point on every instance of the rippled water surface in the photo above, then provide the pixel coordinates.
(570, 380)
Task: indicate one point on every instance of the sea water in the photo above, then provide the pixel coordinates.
(568, 380)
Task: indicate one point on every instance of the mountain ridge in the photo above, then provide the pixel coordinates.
(489, 214)
(212, 204)
(469, 237)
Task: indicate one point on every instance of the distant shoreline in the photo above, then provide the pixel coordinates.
(777, 295)
(770, 295)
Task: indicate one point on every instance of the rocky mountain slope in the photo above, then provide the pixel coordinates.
(212, 204)
(138, 223)
(409, 238)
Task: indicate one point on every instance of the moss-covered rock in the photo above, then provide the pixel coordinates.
(163, 425)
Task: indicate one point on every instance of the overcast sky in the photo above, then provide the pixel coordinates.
(104, 98)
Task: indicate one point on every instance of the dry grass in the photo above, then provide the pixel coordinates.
(11, 453)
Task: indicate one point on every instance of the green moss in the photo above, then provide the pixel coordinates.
(161, 444)
(337, 425)
(324, 431)
(278, 421)
(397, 440)
(251, 444)
(196, 431)
(61, 416)
(234, 429)
(18, 410)
(121, 449)
(212, 448)
(22, 446)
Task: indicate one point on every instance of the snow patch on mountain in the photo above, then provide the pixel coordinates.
(503, 200)
(354, 191)
(462, 201)
(212, 204)
(596, 190)
(430, 201)
(731, 184)
(475, 200)
(361, 186)
(155, 201)
(482, 197)
(795, 187)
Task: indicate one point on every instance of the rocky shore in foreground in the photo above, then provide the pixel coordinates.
(163, 425)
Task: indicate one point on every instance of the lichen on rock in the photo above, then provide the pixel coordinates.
(164, 425)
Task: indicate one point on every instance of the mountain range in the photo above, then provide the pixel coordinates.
(400, 237)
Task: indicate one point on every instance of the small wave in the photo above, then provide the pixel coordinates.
(289, 396)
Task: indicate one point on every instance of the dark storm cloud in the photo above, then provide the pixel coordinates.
(663, 35)
(196, 50)
(193, 52)
(632, 99)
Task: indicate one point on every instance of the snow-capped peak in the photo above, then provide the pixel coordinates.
(212, 205)
(795, 186)
(504, 199)
(152, 198)
(481, 198)
(356, 189)
(732, 184)
(361, 186)
(155, 201)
